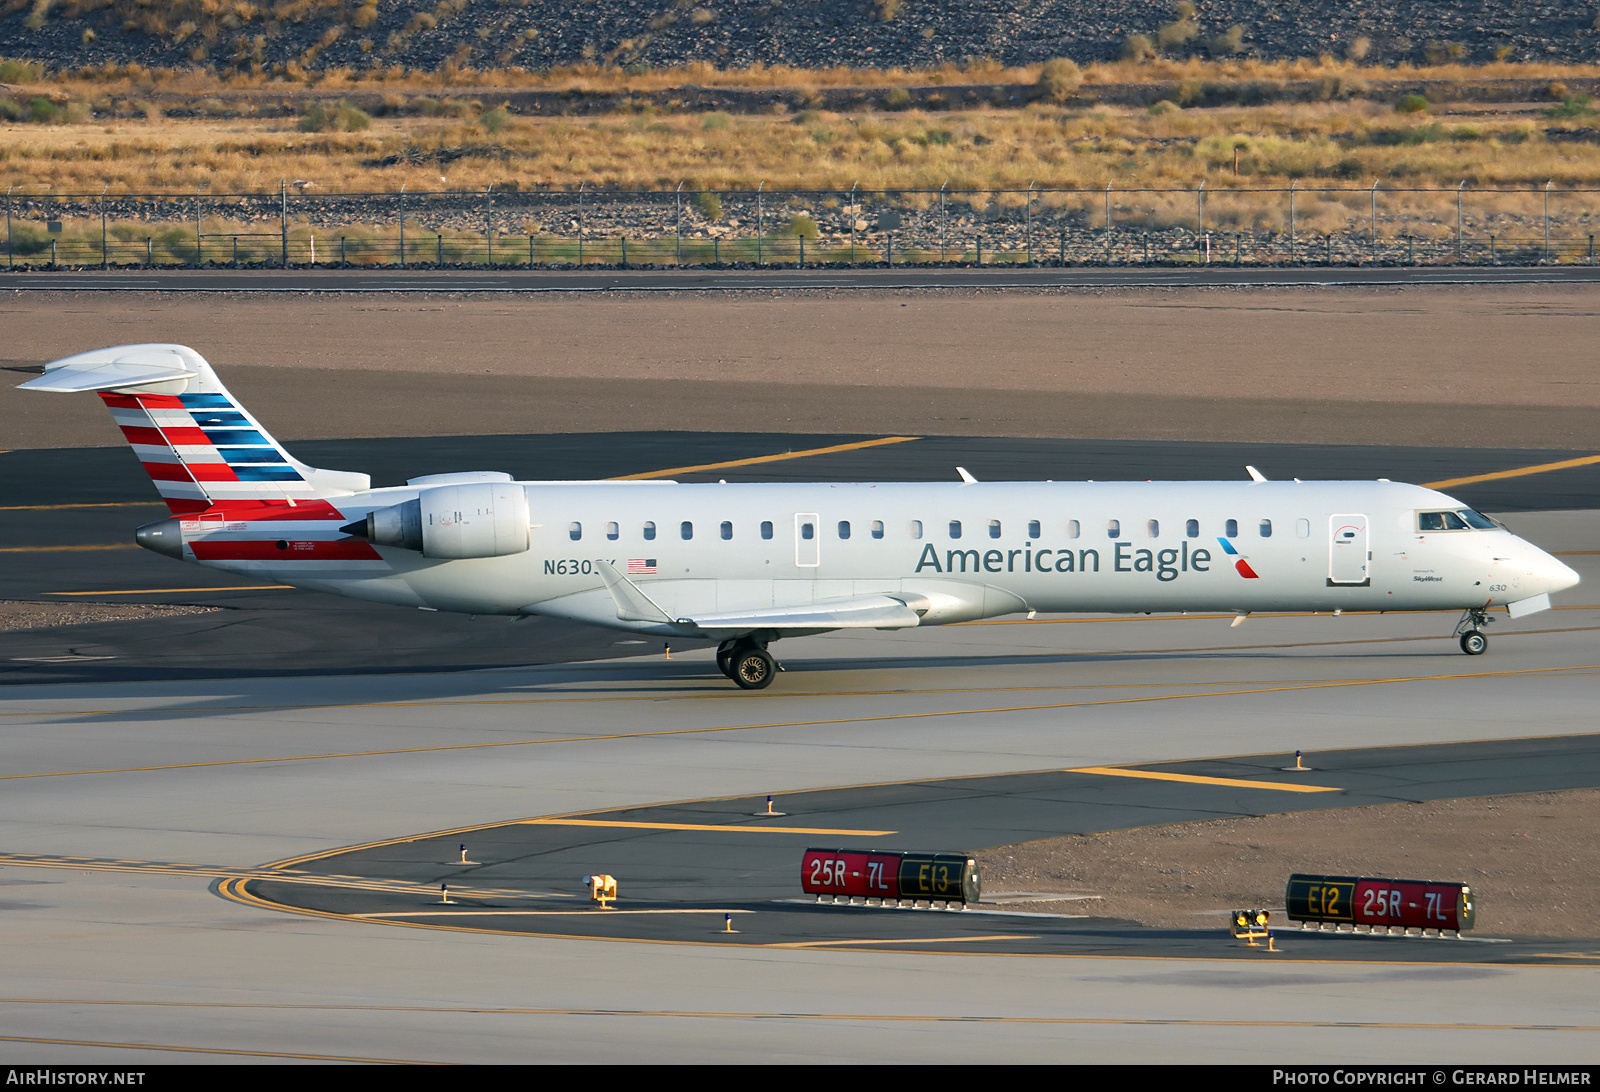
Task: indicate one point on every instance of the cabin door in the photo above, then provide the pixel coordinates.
(1349, 552)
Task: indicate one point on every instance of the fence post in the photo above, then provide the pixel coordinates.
(438, 242)
(283, 220)
(488, 223)
(761, 220)
(1547, 186)
(1108, 222)
(1372, 224)
(853, 223)
(105, 262)
(1292, 184)
(580, 223)
(1458, 219)
(149, 253)
(678, 226)
(944, 220)
(1063, 246)
(52, 255)
(802, 239)
(342, 259)
(11, 259)
(235, 250)
(1200, 214)
(1494, 259)
(1030, 221)
(530, 251)
(199, 245)
(403, 226)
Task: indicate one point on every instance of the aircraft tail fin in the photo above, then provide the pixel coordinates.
(197, 443)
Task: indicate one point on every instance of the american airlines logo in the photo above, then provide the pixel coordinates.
(1241, 566)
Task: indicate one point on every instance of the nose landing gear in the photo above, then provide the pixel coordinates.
(747, 663)
(1474, 642)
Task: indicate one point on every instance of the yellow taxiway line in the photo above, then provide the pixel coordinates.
(735, 828)
(764, 459)
(68, 549)
(172, 591)
(1195, 779)
(815, 722)
(1498, 475)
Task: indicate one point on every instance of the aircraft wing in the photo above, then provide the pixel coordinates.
(875, 611)
(856, 612)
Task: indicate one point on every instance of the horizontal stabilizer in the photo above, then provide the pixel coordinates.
(112, 369)
(857, 612)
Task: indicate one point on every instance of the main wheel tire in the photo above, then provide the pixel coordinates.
(1474, 643)
(752, 669)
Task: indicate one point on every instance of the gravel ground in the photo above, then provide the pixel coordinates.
(817, 33)
(17, 614)
(1531, 861)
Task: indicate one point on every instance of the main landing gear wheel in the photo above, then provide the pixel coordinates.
(1474, 643)
(751, 668)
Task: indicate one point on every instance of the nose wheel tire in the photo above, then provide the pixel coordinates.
(752, 669)
(1474, 643)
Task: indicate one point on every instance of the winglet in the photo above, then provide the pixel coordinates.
(965, 476)
(633, 605)
(1256, 475)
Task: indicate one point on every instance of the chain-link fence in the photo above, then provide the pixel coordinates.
(1310, 225)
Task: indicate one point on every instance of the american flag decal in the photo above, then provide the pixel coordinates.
(641, 566)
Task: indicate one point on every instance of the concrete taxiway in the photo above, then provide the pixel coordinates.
(131, 802)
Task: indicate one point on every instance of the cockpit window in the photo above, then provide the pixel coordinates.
(1440, 521)
(1477, 520)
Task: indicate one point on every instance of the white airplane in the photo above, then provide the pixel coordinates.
(748, 564)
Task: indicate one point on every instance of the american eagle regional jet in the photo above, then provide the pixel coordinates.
(748, 564)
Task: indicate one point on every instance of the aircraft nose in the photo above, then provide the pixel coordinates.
(1557, 576)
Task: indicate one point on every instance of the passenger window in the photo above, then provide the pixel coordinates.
(994, 528)
(808, 530)
(916, 528)
(955, 528)
(877, 528)
(1231, 528)
(613, 531)
(1073, 530)
(574, 531)
(1266, 528)
(1155, 528)
(1302, 528)
(686, 529)
(1192, 528)
(766, 528)
(727, 530)
(1113, 528)
(844, 528)
(649, 530)
(1033, 528)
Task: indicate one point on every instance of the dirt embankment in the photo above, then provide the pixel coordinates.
(1531, 861)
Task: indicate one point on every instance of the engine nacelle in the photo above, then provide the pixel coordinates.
(455, 522)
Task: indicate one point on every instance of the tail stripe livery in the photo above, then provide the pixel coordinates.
(202, 449)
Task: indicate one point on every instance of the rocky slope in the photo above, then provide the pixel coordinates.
(318, 34)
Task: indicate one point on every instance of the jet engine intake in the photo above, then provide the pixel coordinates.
(453, 522)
